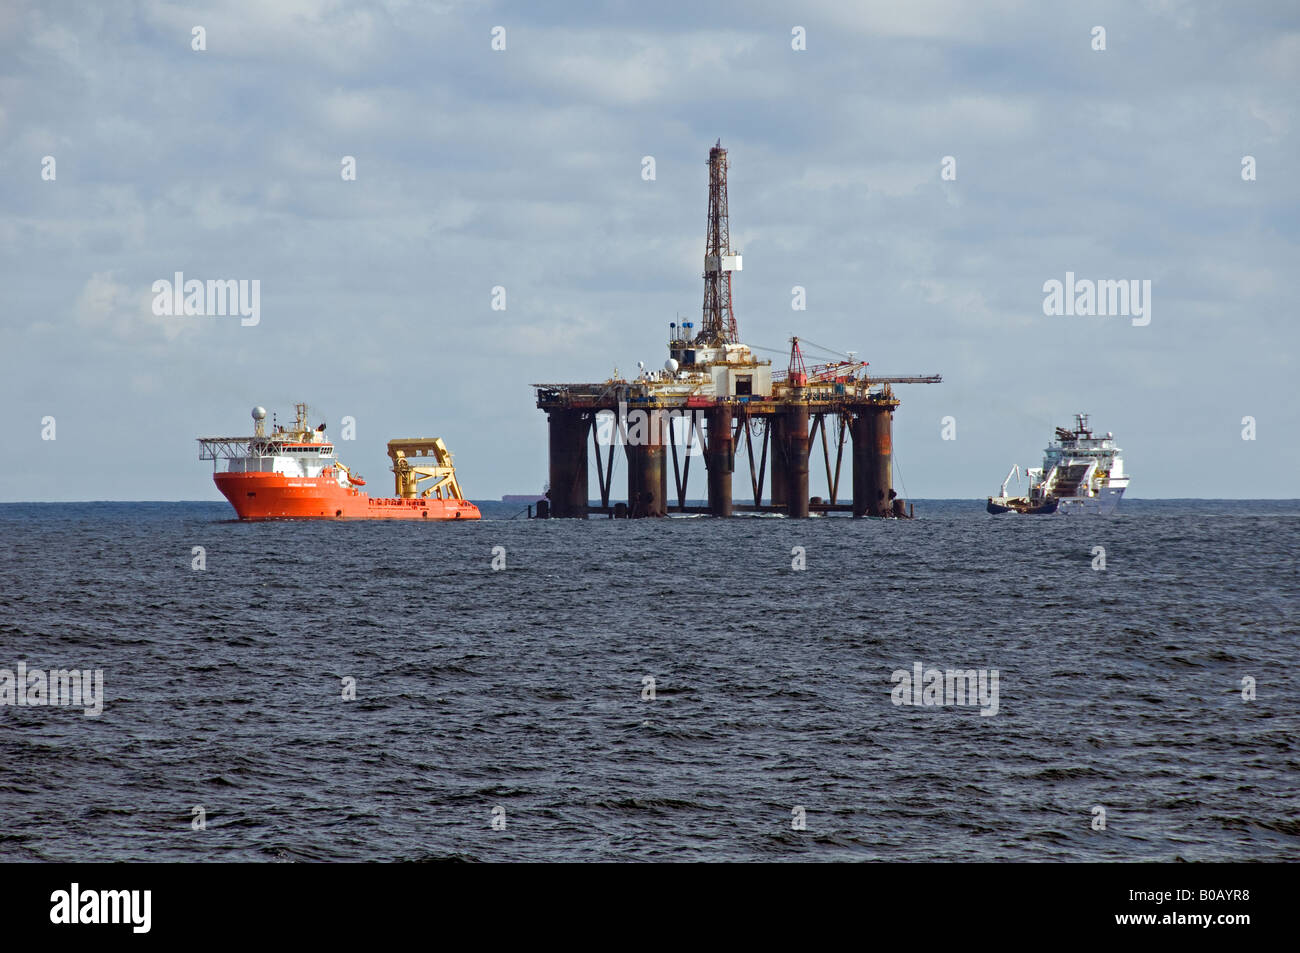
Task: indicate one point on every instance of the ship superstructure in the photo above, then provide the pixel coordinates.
(1081, 473)
(294, 473)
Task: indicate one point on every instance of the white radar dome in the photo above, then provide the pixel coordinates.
(259, 413)
(670, 365)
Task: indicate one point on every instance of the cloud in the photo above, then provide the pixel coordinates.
(106, 305)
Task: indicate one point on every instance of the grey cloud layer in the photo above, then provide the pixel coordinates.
(522, 169)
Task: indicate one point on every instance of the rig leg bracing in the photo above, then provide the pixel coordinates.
(780, 464)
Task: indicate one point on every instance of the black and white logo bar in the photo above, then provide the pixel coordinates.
(103, 907)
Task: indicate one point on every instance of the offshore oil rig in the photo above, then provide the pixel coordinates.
(712, 395)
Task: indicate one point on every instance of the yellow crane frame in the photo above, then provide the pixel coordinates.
(410, 475)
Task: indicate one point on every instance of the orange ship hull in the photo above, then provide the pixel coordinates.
(274, 496)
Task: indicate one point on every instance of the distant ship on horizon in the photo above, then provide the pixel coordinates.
(1081, 473)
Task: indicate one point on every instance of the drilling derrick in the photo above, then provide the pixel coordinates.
(718, 324)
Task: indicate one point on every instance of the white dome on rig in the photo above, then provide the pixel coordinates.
(259, 413)
(671, 365)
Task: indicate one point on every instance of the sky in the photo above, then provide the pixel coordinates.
(522, 168)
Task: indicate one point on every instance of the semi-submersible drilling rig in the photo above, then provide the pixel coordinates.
(715, 394)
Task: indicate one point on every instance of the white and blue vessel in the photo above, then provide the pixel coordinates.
(1081, 473)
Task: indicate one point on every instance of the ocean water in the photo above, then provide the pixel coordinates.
(515, 696)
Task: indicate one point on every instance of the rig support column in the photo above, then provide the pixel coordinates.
(647, 477)
(568, 491)
(795, 438)
(720, 458)
(873, 461)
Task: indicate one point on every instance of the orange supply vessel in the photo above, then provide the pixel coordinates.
(292, 473)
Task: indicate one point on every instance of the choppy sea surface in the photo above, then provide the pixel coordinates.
(503, 714)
